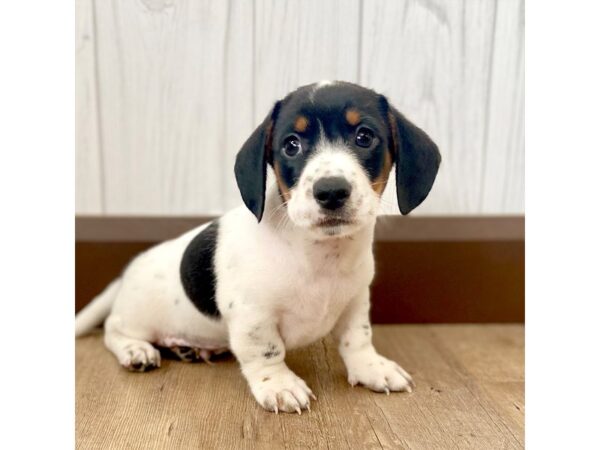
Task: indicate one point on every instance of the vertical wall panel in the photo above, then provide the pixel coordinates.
(238, 94)
(503, 166)
(166, 71)
(88, 167)
(432, 60)
(299, 42)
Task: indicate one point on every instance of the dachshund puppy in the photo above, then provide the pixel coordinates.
(292, 265)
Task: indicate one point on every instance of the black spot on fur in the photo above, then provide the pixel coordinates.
(197, 270)
(272, 351)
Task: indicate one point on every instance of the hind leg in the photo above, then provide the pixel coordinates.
(134, 354)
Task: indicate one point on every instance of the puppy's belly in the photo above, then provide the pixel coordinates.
(160, 312)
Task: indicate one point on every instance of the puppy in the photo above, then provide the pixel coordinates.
(291, 266)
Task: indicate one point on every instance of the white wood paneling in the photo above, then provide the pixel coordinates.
(299, 42)
(171, 76)
(88, 167)
(434, 62)
(503, 166)
(168, 90)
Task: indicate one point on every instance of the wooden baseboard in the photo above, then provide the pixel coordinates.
(429, 269)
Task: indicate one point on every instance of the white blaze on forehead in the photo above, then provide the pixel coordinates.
(332, 159)
(318, 86)
(322, 83)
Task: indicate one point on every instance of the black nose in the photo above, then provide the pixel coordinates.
(332, 192)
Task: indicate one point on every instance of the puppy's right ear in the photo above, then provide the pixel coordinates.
(251, 164)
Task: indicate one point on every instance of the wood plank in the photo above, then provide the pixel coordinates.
(88, 161)
(503, 178)
(173, 82)
(434, 62)
(295, 45)
(195, 405)
(238, 94)
(499, 374)
(388, 228)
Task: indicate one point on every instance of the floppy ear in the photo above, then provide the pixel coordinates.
(417, 160)
(251, 164)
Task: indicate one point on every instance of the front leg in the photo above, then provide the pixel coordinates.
(260, 350)
(363, 363)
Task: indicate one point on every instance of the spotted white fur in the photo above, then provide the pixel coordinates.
(333, 160)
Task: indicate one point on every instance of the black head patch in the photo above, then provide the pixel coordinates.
(357, 118)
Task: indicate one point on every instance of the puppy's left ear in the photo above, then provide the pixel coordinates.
(251, 164)
(417, 160)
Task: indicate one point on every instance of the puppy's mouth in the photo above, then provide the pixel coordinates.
(329, 222)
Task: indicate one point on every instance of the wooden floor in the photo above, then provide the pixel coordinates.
(469, 394)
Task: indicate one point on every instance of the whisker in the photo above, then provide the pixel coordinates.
(283, 222)
(387, 206)
(378, 183)
(277, 209)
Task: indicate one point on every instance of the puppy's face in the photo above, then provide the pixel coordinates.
(332, 146)
(331, 156)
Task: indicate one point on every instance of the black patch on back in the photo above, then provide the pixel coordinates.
(197, 270)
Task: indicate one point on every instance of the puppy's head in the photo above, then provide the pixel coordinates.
(332, 146)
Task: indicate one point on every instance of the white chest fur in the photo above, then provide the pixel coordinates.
(328, 274)
(303, 283)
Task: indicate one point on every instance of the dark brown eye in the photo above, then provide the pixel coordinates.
(292, 146)
(364, 137)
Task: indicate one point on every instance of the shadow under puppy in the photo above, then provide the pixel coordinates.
(293, 265)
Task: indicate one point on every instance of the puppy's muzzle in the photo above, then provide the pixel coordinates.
(331, 193)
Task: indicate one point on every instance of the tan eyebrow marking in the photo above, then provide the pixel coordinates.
(283, 189)
(352, 116)
(300, 124)
(380, 182)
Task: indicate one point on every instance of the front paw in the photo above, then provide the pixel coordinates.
(282, 391)
(378, 373)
